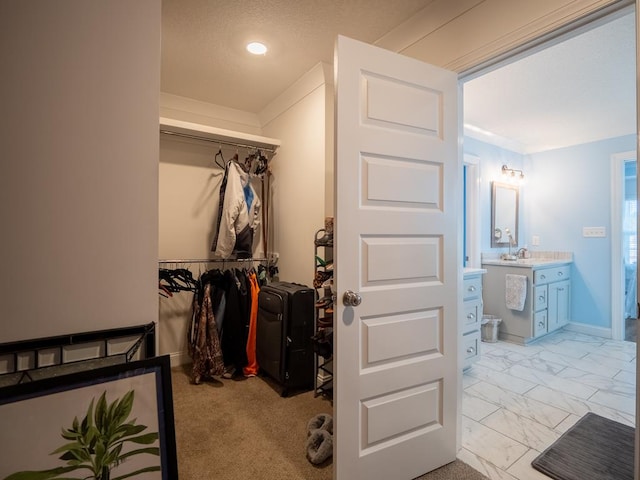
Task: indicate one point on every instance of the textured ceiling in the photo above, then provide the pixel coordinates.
(203, 43)
(578, 91)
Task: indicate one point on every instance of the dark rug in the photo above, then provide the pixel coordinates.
(595, 448)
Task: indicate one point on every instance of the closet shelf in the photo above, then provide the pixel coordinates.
(213, 260)
(206, 133)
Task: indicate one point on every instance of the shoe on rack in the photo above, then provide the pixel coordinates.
(325, 301)
(320, 277)
(328, 225)
(325, 322)
(325, 241)
(323, 343)
(321, 262)
(327, 284)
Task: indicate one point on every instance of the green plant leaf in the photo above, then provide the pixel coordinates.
(43, 475)
(126, 430)
(145, 439)
(100, 452)
(114, 455)
(87, 420)
(68, 446)
(123, 408)
(100, 412)
(137, 472)
(77, 454)
(129, 429)
(149, 450)
(69, 434)
(91, 436)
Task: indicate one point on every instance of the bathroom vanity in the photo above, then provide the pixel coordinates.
(471, 315)
(547, 302)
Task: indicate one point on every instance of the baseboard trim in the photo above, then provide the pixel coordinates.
(179, 358)
(589, 330)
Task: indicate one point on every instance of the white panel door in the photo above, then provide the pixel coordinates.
(396, 238)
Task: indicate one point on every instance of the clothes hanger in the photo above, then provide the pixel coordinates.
(219, 154)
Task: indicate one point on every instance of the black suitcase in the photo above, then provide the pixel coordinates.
(284, 348)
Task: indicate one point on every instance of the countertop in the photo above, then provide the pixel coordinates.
(529, 262)
(472, 270)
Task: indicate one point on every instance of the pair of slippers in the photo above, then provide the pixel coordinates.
(320, 438)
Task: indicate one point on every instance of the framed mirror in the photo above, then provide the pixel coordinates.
(504, 214)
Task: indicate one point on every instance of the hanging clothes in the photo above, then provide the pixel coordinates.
(236, 321)
(251, 370)
(204, 344)
(238, 214)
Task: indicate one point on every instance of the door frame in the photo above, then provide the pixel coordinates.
(617, 272)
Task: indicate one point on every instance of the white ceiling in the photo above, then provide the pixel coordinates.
(575, 92)
(203, 43)
(578, 91)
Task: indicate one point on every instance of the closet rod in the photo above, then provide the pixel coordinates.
(213, 260)
(220, 142)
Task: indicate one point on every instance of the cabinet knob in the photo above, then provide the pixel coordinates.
(541, 324)
(541, 297)
(471, 350)
(560, 274)
(471, 288)
(471, 316)
(543, 276)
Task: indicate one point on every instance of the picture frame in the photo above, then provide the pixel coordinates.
(107, 423)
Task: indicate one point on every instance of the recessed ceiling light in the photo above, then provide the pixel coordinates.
(257, 48)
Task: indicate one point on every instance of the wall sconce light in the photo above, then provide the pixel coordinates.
(512, 174)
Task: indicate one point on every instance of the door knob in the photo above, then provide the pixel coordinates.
(351, 299)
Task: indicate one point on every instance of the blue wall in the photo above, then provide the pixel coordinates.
(565, 190)
(491, 160)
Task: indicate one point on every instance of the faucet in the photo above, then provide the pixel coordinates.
(509, 256)
(522, 252)
(511, 241)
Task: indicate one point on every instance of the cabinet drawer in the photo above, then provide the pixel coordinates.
(472, 314)
(540, 323)
(540, 295)
(553, 274)
(472, 288)
(470, 344)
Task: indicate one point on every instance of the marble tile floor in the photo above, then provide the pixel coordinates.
(518, 400)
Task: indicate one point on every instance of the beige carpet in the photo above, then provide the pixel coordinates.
(244, 429)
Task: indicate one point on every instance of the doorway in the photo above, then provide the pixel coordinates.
(630, 249)
(552, 176)
(624, 251)
(564, 154)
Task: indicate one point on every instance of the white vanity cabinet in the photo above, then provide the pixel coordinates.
(547, 304)
(471, 316)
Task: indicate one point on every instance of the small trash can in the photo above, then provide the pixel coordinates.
(489, 326)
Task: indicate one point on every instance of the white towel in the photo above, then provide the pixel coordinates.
(515, 291)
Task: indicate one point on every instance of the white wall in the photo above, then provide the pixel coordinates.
(299, 176)
(194, 111)
(79, 181)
